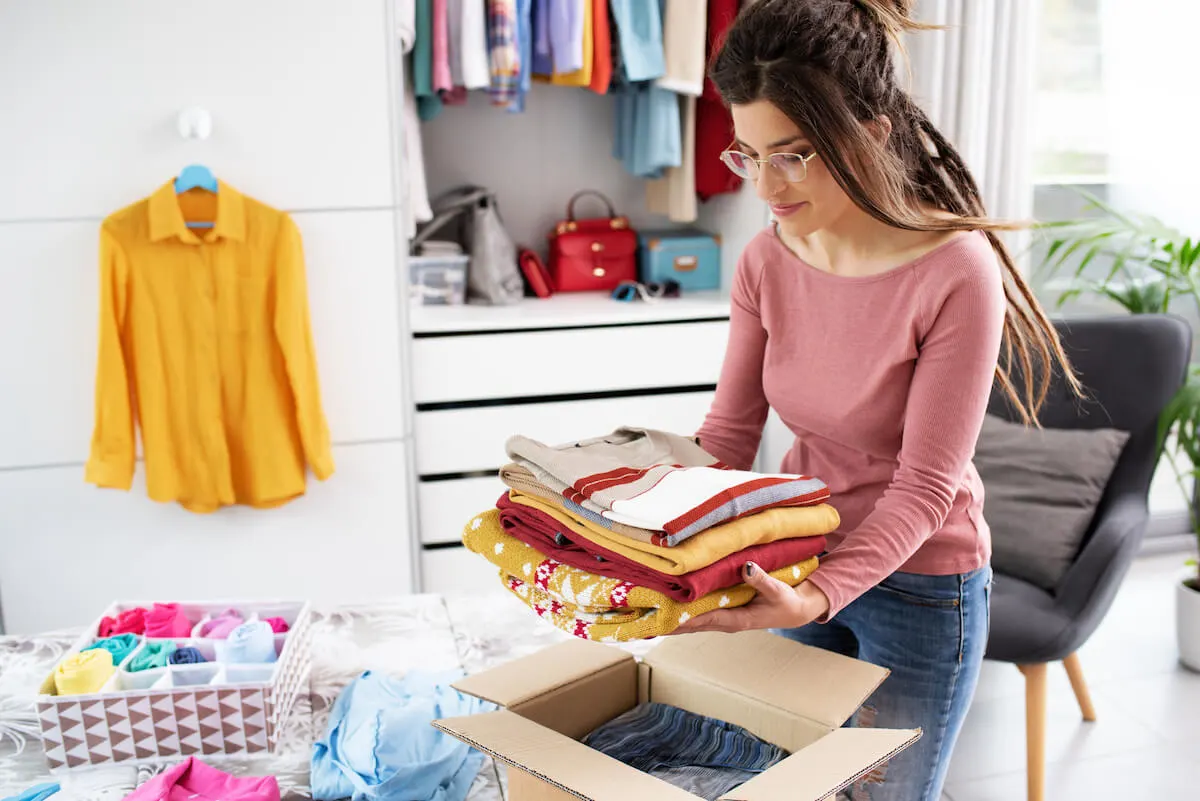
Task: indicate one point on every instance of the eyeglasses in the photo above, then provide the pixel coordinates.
(627, 291)
(792, 166)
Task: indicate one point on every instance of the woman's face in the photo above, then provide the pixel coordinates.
(800, 207)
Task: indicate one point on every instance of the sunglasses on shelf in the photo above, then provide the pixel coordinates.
(627, 291)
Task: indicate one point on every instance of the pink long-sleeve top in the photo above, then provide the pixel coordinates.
(884, 381)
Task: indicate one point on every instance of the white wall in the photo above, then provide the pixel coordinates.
(300, 95)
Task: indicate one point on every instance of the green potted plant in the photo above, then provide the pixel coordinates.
(1143, 266)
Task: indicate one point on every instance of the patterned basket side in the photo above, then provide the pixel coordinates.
(293, 677)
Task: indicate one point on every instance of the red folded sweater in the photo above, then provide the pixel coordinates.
(542, 532)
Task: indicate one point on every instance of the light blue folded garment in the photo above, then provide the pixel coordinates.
(380, 744)
(38, 792)
(249, 643)
(639, 31)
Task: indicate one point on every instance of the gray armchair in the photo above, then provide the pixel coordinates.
(1131, 367)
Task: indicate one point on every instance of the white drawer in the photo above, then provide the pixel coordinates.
(345, 541)
(48, 326)
(522, 364)
(297, 91)
(446, 506)
(457, 571)
(465, 440)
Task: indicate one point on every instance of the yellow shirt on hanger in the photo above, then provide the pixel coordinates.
(205, 339)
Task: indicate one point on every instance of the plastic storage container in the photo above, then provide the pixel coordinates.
(437, 280)
(688, 256)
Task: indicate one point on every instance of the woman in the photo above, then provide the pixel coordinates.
(871, 316)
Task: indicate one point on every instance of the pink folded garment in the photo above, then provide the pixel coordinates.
(277, 624)
(192, 779)
(130, 621)
(167, 621)
(219, 627)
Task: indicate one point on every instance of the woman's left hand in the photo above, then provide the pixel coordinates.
(775, 606)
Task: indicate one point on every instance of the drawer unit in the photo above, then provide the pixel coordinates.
(563, 369)
(457, 571)
(445, 506)
(472, 439)
(522, 364)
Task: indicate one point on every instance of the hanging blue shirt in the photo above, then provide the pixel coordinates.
(525, 48)
(380, 744)
(639, 29)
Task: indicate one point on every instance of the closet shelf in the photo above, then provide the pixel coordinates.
(568, 310)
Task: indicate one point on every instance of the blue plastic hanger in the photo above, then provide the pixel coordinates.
(196, 176)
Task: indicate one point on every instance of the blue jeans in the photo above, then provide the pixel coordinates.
(931, 632)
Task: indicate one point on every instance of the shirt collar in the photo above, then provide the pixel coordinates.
(166, 219)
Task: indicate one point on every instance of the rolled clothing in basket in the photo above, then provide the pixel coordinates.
(277, 624)
(186, 656)
(220, 626)
(130, 621)
(84, 672)
(249, 643)
(153, 654)
(120, 646)
(167, 620)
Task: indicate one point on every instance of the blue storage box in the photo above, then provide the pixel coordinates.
(689, 256)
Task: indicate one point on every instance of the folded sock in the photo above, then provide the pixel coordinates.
(120, 646)
(130, 621)
(84, 672)
(249, 643)
(167, 620)
(277, 624)
(154, 654)
(219, 627)
(186, 656)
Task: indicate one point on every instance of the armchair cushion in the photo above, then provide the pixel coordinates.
(1042, 487)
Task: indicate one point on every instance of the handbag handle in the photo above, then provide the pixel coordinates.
(460, 196)
(571, 203)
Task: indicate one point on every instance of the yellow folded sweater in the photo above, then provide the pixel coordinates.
(704, 548)
(596, 607)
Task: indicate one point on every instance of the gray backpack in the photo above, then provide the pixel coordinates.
(469, 216)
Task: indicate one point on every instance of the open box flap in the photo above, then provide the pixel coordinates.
(809, 682)
(560, 761)
(827, 766)
(521, 679)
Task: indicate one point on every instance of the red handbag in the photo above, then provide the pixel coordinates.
(594, 254)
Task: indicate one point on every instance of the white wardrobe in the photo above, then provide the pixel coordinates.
(304, 101)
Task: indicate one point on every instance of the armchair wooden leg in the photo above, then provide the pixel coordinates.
(1075, 674)
(1035, 730)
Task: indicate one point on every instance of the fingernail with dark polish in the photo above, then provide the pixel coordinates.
(749, 568)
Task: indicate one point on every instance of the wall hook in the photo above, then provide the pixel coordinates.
(195, 123)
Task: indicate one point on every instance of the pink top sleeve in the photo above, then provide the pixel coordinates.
(733, 427)
(947, 401)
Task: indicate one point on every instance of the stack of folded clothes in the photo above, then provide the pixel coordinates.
(627, 536)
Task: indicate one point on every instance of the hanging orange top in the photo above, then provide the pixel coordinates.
(601, 48)
(205, 339)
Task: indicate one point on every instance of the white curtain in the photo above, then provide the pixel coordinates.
(974, 78)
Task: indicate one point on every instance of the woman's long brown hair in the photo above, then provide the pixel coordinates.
(829, 66)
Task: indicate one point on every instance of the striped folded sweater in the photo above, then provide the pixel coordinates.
(595, 607)
(659, 481)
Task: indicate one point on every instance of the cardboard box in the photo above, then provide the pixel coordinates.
(211, 710)
(792, 695)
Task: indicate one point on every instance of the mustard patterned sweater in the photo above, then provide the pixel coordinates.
(595, 607)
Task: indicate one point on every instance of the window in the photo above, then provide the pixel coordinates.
(1069, 138)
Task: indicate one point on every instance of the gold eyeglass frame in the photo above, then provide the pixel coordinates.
(782, 170)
